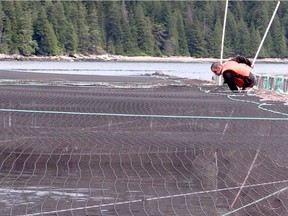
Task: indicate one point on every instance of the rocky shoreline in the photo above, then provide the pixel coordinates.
(108, 57)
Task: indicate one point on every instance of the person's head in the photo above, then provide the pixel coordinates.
(216, 68)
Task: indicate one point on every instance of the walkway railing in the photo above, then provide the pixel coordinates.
(278, 83)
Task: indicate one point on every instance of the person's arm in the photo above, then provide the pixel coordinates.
(242, 59)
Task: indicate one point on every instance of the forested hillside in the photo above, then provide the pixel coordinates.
(155, 28)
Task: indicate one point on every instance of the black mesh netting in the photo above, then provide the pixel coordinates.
(128, 147)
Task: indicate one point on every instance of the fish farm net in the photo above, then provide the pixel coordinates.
(178, 147)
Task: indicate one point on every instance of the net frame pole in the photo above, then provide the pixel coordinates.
(219, 78)
(260, 46)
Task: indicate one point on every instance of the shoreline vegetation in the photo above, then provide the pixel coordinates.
(119, 58)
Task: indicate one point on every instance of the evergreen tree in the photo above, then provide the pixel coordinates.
(149, 41)
(141, 28)
(279, 40)
(9, 27)
(260, 16)
(161, 36)
(96, 35)
(56, 16)
(145, 38)
(171, 44)
(255, 40)
(182, 41)
(268, 46)
(154, 11)
(101, 20)
(208, 12)
(283, 11)
(131, 7)
(214, 40)
(243, 39)
(237, 8)
(129, 42)
(24, 31)
(113, 28)
(3, 28)
(161, 30)
(232, 36)
(44, 35)
(282, 51)
(70, 39)
(82, 30)
(195, 39)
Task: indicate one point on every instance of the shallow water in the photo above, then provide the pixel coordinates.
(186, 70)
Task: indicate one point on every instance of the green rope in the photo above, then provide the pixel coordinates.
(146, 115)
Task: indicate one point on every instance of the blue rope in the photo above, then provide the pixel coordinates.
(146, 115)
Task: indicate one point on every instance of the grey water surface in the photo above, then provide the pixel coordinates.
(184, 70)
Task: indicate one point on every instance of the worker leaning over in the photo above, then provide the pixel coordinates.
(236, 73)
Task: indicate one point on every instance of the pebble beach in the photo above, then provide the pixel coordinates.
(109, 57)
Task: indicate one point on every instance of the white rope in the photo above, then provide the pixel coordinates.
(168, 197)
(256, 201)
(260, 46)
(223, 32)
(219, 78)
(246, 178)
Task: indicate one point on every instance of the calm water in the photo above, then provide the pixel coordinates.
(187, 70)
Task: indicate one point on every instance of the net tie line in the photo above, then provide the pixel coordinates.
(260, 105)
(147, 115)
(173, 196)
(246, 178)
(256, 201)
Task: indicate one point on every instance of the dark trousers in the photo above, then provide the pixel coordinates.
(231, 79)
